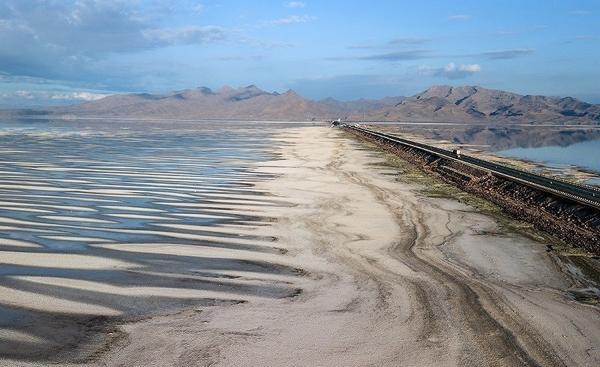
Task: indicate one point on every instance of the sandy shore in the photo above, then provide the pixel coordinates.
(384, 277)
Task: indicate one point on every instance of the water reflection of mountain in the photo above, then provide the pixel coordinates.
(497, 137)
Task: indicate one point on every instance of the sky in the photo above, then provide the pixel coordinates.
(65, 51)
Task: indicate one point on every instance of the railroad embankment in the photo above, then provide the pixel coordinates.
(570, 221)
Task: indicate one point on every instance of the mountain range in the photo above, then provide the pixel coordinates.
(436, 104)
(476, 104)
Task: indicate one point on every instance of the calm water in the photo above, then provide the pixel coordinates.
(585, 155)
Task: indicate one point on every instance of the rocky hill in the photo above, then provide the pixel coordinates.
(246, 103)
(476, 104)
(438, 104)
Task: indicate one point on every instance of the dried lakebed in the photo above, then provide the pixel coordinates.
(279, 246)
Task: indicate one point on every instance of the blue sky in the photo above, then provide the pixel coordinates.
(60, 51)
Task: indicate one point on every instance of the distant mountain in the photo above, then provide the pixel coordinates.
(438, 103)
(476, 104)
(247, 103)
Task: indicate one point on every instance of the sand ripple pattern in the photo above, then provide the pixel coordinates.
(96, 228)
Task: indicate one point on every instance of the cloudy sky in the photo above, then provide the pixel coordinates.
(60, 51)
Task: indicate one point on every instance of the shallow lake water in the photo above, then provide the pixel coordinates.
(103, 221)
(585, 155)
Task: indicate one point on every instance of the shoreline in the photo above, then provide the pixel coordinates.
(570, 172)
(567, 220)
(385, 276)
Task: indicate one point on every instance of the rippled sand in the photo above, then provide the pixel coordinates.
(152, 224)
(390, 278)
(266, 247)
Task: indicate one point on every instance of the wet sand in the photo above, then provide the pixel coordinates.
(340, 264)
(105, 228)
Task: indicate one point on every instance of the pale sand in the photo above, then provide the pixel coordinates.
(76, 239)
(124, 291)
(201, 216)
(65, 218)
(18, 298)
(132, 208)
(62, 261)
(18, 336)
(17, 243)
(24, 228)
(391, 279)
(191, 236)
(191, 250)
(35, 187)
(29, 210)
(65, 207)
(139, 216)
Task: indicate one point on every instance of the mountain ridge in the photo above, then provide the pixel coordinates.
(474, 103)
(440, 103)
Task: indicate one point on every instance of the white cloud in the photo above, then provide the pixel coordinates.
(83, 96)
(292, 19)
(295, 4)
(451, 71)
(454, 71)
(471, 68)
(53, 95)
(71, 40)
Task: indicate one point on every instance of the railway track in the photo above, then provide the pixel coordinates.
(582, 194)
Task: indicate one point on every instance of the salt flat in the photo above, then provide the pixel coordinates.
(329, 261)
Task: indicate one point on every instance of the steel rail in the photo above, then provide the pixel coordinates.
(582, 194)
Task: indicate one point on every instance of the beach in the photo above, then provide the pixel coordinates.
(331, 259)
